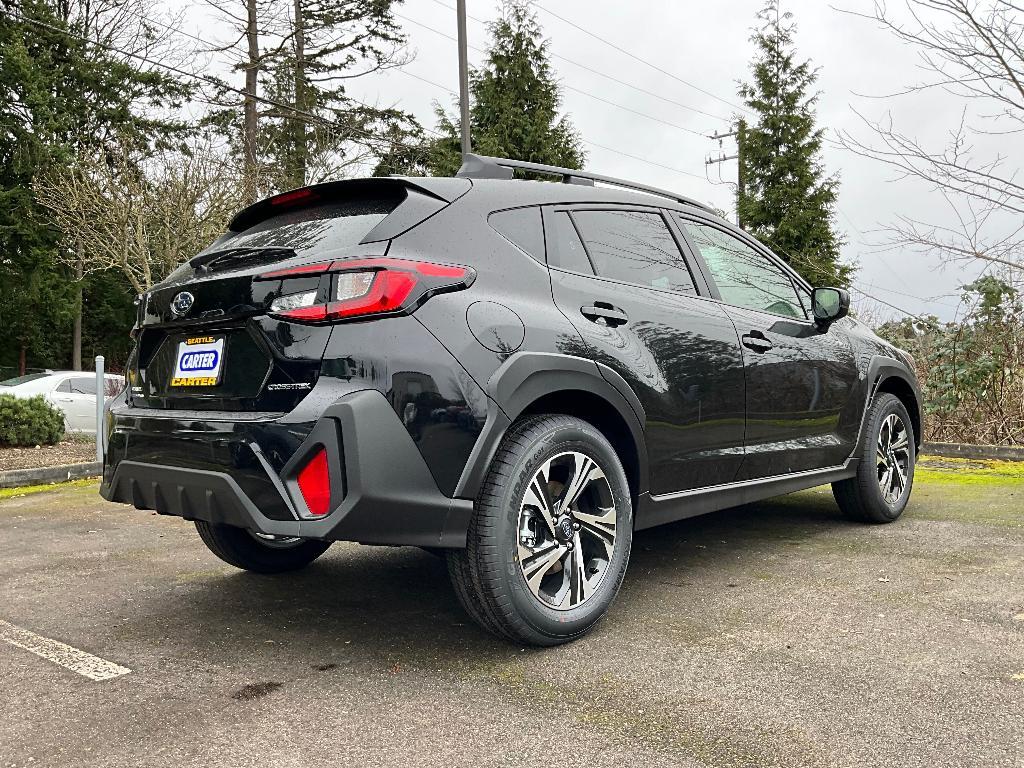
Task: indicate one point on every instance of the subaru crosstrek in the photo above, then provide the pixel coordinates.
(514, 374)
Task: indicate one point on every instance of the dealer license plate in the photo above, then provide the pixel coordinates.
(199, 362)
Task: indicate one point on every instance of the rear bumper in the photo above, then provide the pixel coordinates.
(243, 472)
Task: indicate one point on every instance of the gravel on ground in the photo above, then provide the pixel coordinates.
(771, 635)
(67, 451)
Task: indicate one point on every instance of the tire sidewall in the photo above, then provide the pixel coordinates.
(547, 621)
(887, 405)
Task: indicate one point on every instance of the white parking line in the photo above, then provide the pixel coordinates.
(67, 656)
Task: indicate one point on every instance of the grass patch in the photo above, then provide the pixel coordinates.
(25, 490)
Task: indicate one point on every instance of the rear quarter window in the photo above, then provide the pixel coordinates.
(522, 227)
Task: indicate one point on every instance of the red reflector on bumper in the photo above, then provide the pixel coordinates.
(315, 484)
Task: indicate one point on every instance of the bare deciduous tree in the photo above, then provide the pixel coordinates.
(973, 50)
(142, 218)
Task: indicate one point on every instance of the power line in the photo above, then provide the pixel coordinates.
(929, 300)
(632, 55)
(567, 87)
(241, 59)
(614, 79)
(585, 141)
(310, 116)
(867, 295)
(645, 160)
(635, 112)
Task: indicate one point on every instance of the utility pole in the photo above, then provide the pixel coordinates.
(460, 10)
(740, 134)
(741, 167)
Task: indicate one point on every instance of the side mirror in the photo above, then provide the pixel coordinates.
(830, 304)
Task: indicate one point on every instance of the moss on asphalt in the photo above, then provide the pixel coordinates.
(949, 489)
(25, 490)
(969, 472)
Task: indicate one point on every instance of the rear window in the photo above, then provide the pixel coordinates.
(317, 227)
(23, 379)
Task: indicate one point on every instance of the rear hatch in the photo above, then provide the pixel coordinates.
(204, 337)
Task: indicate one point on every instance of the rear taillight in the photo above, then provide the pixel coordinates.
(315, 484)
(361, 287)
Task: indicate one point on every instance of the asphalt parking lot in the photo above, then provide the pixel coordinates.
(770, 635)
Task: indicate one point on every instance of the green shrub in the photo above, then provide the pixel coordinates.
(972, 369)
(31, 421)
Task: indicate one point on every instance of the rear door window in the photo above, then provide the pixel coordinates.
(565, 249)
(634, 247)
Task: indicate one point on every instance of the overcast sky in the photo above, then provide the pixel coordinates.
(708, 45)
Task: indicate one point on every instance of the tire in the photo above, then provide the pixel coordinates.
(245, 550)
(861, 497)
(576, 554)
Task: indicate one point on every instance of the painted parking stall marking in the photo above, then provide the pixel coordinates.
(67, 656)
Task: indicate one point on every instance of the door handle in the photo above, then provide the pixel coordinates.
(756, 341)
(604, 313)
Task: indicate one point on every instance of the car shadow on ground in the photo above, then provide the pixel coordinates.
(385, 603)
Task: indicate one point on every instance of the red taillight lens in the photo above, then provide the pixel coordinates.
(303, 195)
(387, 293)
(361, 287)
(306, 270)
(315, 484)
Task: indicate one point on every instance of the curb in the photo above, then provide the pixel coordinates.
(16, 478)
(962, 451)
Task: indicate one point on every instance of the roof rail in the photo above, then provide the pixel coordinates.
(485, 167)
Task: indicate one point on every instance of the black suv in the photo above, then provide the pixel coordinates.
(514, 374)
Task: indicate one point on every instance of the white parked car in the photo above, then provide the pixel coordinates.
(73, 392)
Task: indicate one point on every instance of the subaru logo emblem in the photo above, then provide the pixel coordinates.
(182, 303)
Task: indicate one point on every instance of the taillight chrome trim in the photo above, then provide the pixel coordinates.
(306, 270)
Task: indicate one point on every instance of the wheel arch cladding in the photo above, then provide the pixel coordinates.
(597, 411)
(530, 383)
(895, 384)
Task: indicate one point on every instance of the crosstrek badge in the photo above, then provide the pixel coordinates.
(199, 362)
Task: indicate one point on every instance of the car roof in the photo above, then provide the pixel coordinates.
(76, 374)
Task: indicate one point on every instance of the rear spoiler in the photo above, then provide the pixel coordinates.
(416, 200)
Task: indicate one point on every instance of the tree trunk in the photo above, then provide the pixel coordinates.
(21, 360)
(249, 132)
(298, 122)
(76, 332)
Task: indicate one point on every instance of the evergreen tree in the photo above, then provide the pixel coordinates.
(515, 102)
(64, 86)
(786, 199)
(299, 58)
(331, 42)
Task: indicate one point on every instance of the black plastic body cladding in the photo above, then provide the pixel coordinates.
(707, 401)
